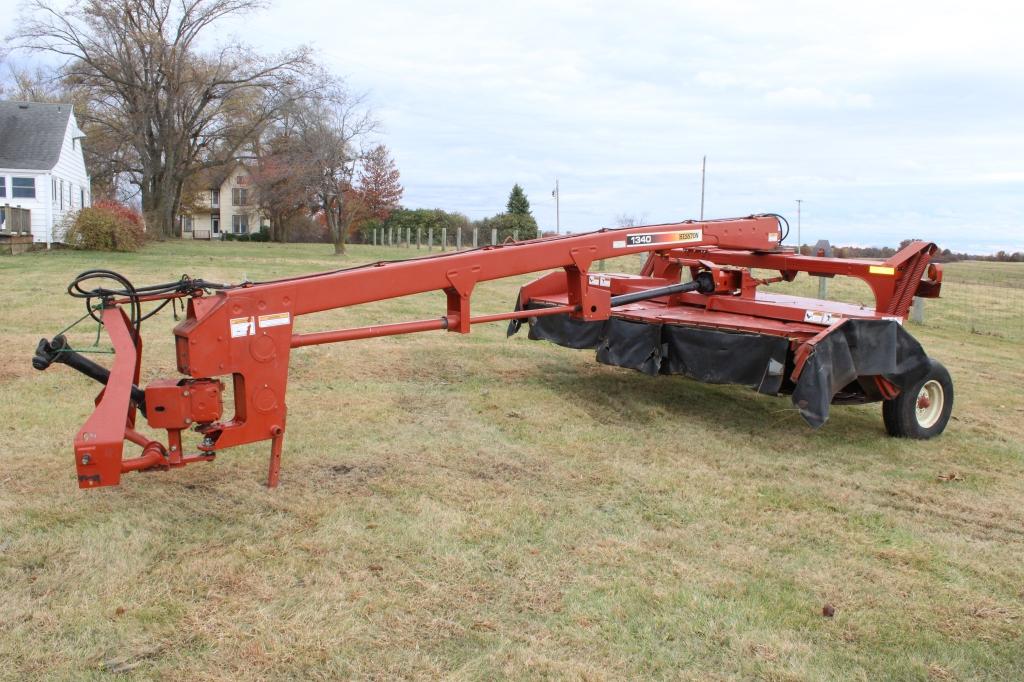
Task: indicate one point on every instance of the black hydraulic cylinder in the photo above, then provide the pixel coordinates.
(703, 283)
(48, 352)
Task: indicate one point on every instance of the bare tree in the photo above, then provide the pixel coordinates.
(5, 69)
(165, 107)
(630, 220)
(33, 85)
(334, 129)
(282, 173)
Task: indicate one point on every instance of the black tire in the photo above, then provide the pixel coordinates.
(922, 411)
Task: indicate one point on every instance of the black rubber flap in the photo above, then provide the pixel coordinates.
(857, 348)
(564, 330)
(718, 357)
(707, 355)
(636, 345)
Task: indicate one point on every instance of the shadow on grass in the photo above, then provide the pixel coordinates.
(615, 395)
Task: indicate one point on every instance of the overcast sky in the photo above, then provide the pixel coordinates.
(889, 119)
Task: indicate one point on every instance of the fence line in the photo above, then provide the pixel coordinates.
(977, 297)
(382, 236)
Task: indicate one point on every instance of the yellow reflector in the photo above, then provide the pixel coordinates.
(881, 270)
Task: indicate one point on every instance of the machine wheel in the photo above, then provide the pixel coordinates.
(923, 410)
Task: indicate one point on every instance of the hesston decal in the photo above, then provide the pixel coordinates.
(658, 238)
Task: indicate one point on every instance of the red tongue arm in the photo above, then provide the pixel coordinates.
(99, 444)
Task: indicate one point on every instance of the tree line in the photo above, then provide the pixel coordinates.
(942, 256)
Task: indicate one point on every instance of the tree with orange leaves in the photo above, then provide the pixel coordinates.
(378, 182)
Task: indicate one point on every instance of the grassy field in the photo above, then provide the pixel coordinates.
(471, 507)
(978, 297)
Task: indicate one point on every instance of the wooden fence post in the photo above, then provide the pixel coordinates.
(823, 287)
(515, 235)
(476, 237)
(494, 236)
(430, 239)
(458, 239)
(444, 238)
(419, 237)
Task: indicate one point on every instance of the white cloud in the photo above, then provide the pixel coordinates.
(813, 97)
(888, 118)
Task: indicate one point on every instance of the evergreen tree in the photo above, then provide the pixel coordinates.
(518, 204)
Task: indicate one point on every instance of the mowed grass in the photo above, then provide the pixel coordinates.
(476, 507)
(977, 297)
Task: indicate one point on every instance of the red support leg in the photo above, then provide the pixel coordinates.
(276, 445)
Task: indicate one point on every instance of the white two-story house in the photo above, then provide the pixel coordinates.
(41, 165)
(224, 202)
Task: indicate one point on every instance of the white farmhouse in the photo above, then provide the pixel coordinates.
(225, 202)
(41, 165)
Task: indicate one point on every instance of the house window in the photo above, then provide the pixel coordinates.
(186, 223)
(3, 186)
(23, 188)
(81, 197)
(62, 195)
(215, 198)
(240, 224)
(216, 225)
(239, 196)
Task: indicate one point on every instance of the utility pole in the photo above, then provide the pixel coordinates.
(799, 243)
(703, 167)
(558, 217)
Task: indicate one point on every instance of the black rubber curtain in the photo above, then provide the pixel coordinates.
(858, 348)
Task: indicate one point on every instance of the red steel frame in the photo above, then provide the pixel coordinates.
(247, 332)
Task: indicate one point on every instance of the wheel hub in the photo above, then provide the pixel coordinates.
(930, 401)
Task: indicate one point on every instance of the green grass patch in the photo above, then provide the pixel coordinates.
(476, 507)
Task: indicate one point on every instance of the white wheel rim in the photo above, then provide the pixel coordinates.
(930, 401)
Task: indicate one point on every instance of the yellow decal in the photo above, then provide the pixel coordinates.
(242, 326)
(274, 320)
(881, 270)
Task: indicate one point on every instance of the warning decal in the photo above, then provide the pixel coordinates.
(275, 320)
(818, 317)
(242, 326)
(659, 239)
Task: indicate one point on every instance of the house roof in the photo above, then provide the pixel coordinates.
(213, 177)
(31, 134)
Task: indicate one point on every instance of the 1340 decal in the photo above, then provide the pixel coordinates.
(659, 238)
